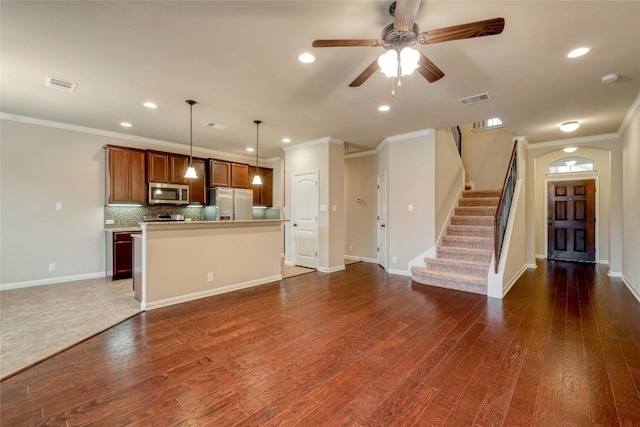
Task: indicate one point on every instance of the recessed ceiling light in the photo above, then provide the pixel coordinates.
(306, 58)
(578, 52)
(384, 108)
(126, 124)
(286, 140)
(569, 126)
(569, 149)
(249, 149)
(150, 105)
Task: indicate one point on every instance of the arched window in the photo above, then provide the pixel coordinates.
(571, 164)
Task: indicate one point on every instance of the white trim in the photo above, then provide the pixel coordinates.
(614, 274)
(534, 266)
(155, 143)
(627, 118)
(331, 269)
(359, 258)
(322, 140)
(211, 292)
(627, 282)
(513, 280)
(289, 263)
(400, 272)
(409, 135)
(541, 256)
(572, 141)
(51, 281)
(360, 154)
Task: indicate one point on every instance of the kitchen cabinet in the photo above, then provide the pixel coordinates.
(126, 172)
(197, 186)
(219, 173)
(120, 254)
(239, 175)
(166, 167)
(262, 194)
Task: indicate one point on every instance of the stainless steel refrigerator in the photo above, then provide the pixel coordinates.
(229, 204)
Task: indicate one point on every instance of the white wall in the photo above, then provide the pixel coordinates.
(361, 174)
(631, 201)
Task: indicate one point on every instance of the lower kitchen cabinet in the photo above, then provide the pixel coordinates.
(120, 254)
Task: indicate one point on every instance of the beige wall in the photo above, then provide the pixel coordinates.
(486, 156)
(606, 153)
(43, 163)
(631, 202)
(361, 175)
(449, 178)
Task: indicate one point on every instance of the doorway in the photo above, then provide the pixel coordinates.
(571, 219)
(382, 220)
(305, 219)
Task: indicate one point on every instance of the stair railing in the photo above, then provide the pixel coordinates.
(504, 205)
(456, 134)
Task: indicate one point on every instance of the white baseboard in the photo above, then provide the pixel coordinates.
(513, 280)
(331, 269)
(359, 258)
(400, 272)
(208, 293)
(534, 266)
(51, 281)
(614, 273)
(627, 282)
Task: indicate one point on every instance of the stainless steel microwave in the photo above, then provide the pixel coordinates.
(169, 194)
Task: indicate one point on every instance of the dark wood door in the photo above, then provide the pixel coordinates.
(571, 220)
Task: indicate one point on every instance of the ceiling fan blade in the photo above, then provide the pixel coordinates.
(346, 42)
(368, 72)
(405, 14)
(488, 27)
(428, 69)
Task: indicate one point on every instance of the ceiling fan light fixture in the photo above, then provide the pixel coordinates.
(409, 60)
(388, 63)
(569, 126)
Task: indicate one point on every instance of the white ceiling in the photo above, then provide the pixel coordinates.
(237, 59)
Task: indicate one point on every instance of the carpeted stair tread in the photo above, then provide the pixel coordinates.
(459, 282)
(481, 193)
(476, 210)
(468, 254)
(456, 266)
(479, 201)
(469, 230)
(468, 242)
(481, 221)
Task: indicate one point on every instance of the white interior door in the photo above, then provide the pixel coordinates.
(382, 220)
(305, 219)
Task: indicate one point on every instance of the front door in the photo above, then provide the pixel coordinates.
(571, 220)
(305, 219)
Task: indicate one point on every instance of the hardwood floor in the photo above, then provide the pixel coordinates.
(356, 347)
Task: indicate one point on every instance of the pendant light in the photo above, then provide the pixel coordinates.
(256, 179)
(191, 172)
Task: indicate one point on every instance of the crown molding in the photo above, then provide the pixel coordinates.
(570, 141)
(150, 142)
(635, 107)
(360, 154)
(323, 140)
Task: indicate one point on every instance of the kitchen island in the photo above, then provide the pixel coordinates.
(182, 261)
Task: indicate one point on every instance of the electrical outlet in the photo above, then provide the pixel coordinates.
(394, 259)
(209, 277)
(109, 221)
(59, 206)
(52, 266)
(350, 248)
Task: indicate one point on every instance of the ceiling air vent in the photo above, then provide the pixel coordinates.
(474, 99)
(215, 126)
(63, 85)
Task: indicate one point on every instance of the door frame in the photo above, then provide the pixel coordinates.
(382, 178)
(561, 178)
(293, 217)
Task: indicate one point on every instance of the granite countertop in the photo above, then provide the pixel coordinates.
(123, 229)
(246, 221)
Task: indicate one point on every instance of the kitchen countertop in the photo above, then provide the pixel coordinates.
(123, 229)
(217, 223)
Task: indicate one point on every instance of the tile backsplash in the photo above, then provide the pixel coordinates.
(132, 216)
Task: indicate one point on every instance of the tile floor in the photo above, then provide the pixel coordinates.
(38, 321)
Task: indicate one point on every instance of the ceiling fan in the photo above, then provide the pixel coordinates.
(403, 32)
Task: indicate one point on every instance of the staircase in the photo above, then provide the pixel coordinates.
(462, 261)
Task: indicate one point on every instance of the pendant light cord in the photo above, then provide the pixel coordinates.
(257, 122)
(190, 102)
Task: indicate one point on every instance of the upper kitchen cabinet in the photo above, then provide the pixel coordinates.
(167, 167)
(262, 194)
(239, 175)
(219, 173)
(197, 187)
(125, 181)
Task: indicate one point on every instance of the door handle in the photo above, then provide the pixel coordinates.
(382, 225)
(549, 220)
(295, 225)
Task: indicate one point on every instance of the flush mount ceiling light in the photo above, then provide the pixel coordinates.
(578, 52)
(609, 78)
(306, 58)
(249, 149)
(569, 126)
(150, 105)
(256, 179)
(286, 140)
(126, 124)
(191, 172)
(569, 149)
(384, 108)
